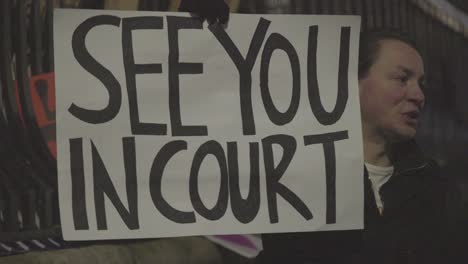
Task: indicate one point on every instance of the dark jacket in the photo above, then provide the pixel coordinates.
(412, 228)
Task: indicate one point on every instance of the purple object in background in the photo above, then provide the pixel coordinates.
(246, 245)
(239, 240)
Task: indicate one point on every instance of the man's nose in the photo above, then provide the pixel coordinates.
(416, 94)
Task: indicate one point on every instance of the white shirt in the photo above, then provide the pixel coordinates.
(378, 176)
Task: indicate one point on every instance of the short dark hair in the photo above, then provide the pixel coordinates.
(369, 45)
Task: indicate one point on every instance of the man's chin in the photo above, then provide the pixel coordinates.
(401, 134)
(406, 133)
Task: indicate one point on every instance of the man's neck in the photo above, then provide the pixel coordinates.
(375, 149)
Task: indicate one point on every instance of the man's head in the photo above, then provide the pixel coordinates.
(391, 77)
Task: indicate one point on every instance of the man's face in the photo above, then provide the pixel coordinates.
(391, 95)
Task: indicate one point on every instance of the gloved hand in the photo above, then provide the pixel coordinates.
(215, 11)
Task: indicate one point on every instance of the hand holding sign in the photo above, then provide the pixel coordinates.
(200, 147)
(215, 11)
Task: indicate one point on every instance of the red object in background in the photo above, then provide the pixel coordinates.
(43, 99)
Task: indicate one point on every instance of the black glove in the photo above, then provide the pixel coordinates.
(215, 11)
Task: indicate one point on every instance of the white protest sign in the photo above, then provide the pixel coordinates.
(167, 127)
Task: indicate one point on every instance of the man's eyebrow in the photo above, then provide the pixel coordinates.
(410, 72)
(406, 70)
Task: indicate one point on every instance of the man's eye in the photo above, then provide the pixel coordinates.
(402, 79)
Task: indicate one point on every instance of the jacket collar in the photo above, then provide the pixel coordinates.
(407, 156)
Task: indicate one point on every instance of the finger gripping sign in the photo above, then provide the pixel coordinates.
(170, 127)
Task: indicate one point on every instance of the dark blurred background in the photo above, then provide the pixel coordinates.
(28, 204)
